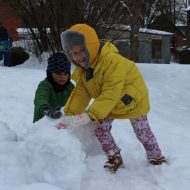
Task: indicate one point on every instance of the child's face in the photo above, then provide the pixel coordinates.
(79, 54)
(60, 78)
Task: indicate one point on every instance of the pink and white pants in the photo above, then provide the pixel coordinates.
(143, 133)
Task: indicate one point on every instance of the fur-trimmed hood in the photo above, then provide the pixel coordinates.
(91, 39)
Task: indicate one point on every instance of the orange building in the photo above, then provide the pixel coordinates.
(10, 20)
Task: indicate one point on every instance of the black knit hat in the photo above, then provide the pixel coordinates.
(58, 62)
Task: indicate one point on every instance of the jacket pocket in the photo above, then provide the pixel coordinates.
(125, 105)
(126, 99)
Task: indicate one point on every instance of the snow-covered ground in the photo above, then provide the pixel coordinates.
(35, 157)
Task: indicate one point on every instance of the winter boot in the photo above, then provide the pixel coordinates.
(113, 163)
(158, 161)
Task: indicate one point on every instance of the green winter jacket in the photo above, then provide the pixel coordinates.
(46, 96)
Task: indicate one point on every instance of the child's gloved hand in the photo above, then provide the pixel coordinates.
(51, 112)
(84, 118)
(74, 121)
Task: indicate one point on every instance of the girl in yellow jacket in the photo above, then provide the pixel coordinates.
(117, 87)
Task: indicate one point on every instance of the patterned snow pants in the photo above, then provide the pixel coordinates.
(143, 133)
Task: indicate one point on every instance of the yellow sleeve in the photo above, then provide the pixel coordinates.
(78, 101)
(114, 79)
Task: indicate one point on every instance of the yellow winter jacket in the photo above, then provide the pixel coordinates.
(114, 76)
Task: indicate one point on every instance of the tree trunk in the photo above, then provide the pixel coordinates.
(188, 29)
(134, 33)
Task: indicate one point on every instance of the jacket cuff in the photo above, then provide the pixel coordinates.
(93, 116)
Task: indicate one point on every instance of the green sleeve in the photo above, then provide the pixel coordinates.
(41, 99)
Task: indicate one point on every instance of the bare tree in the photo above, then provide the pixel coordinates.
(133, 9)
(47, 18)
(135, 25)
(172, 10)
(103, 15)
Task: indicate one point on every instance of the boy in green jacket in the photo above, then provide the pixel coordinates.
(52, 93)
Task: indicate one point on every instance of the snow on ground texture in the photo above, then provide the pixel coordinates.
(41, 157)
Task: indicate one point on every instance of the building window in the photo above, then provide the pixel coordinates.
(156, 49)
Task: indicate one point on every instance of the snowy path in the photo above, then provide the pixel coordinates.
(51, 159)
